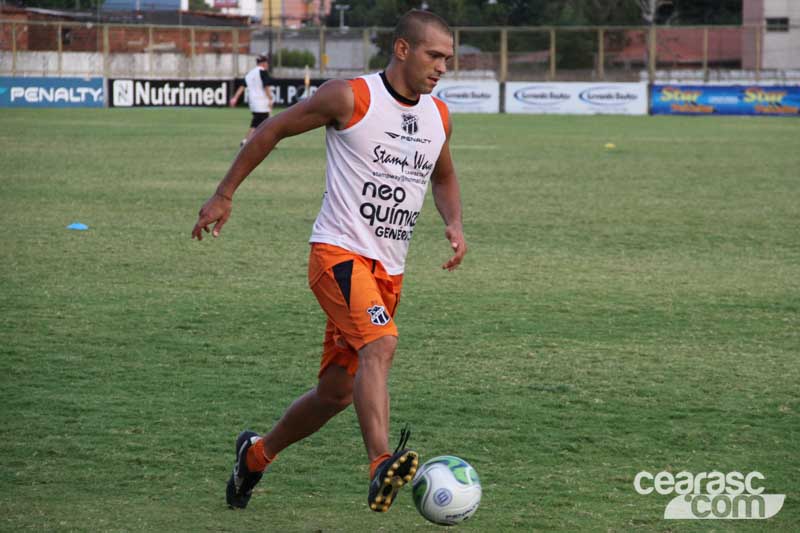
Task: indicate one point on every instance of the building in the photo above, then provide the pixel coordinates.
(296, 13)
(287, 13)
(133, 32)
(145, 5)
(779, 45)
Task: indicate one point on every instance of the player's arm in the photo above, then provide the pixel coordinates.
(332, 104)
(268, 90)
(235, 97)
(447, 197)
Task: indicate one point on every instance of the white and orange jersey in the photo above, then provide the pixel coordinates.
(378, 171)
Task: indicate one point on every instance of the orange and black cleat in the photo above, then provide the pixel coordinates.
(392, 474)
(242, 481)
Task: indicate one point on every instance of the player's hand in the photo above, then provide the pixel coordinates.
(232, 102)
(455, 235)
(217, 209)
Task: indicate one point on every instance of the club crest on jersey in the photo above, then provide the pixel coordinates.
(410, 125)
(378, 315)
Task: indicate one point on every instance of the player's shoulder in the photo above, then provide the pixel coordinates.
(444, 113)
(333, 99)
(439, 102)
(336, 84)
(335, 90)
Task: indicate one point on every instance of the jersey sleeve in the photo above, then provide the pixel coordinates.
(444, 113)
(360, 100)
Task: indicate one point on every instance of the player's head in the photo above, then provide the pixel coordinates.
(423, 42)
(262, 60)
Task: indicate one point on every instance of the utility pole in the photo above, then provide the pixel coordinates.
(649, 11)
(269, 6)
(341, 8)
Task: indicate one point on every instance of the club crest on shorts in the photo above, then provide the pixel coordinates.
(410, 125)
(378, 315)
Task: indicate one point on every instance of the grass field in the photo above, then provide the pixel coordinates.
(619, 310)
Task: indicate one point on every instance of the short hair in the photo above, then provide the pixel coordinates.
(262, 58)
(411, 26)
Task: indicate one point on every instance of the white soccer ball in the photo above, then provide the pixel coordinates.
(446, 490)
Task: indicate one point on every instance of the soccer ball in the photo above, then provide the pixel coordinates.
(446, 490)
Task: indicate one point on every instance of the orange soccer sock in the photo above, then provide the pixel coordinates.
(373, 466)
(257, 457)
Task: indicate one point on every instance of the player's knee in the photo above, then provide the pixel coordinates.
(380, 351)
(335, 388)
(337, 399)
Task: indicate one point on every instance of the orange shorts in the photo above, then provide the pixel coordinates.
(359, 297)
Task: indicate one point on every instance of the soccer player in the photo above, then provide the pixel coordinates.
(386, 139)
(259, 94)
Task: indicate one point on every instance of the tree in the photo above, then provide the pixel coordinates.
(86, 5)
(200, 5)
(654, 11)
(691, 12)
(500, 13)
(708, 12)
(549, 12)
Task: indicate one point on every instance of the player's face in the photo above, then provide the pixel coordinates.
(427, 61)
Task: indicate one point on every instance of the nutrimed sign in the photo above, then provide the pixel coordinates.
(576, 98)
(168, 93)
(469, 96)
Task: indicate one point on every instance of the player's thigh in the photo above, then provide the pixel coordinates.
(355, 303)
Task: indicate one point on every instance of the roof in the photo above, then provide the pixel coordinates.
(681, 45)
(173, 18)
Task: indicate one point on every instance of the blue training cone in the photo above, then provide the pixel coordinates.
(78, 226)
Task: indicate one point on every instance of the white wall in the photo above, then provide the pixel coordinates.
(343, 54)
(782, 49)
(252, 8)
(219, 66)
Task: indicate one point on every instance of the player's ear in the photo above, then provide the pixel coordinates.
(401, 48)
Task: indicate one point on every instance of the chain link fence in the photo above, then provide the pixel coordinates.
(37, 48)
(702, 54)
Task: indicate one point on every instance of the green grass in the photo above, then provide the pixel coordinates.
(619, 310)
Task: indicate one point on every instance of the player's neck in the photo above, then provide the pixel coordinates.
(395, 83)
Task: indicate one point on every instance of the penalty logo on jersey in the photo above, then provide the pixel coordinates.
(410, 125)
(378, 315)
